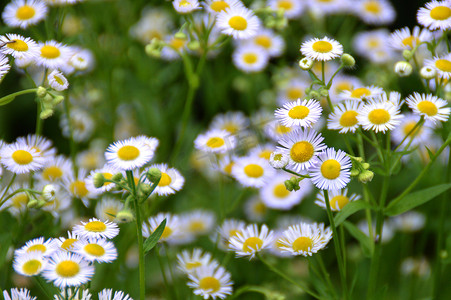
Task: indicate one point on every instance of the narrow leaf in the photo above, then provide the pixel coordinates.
(364, 240)
(153, 239)
(415, 199)
(6, 100)
(431, 154)
(349, 209)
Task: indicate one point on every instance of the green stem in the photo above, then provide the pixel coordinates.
(142, 274)
(163, 273)
(326, 274)
(337, 246)
(39, 121)
(419, 123)
(7, 98)
(73, 146)
(295, 173)
(284, 276)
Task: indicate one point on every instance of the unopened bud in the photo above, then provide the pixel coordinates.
(41, 203)
(145, 188)
(407, 54)
(125, 216)
(347, 60)
(117, 177)
(153, 175)
(194, 45)
(47, 99)
(354, 172)
(49, 192)
(32, 203)
(180, 35)
(428, 73)
(41, 92)
(366, 166)
(57, 100)
(403, 68)
(98, 180)
(278, 160)
(46, 113)
(314, 95)
(289, 185)
(366, 176)
(306, 63)
(324, 92)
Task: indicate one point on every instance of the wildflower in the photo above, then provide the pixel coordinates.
(322, 49)
(250, 58)
(375, 12)
(403, 68)
(303, 113)
(441, 64)
(20, 158)
(171, 180)
(215, 141)
(211, 281)
(217, 6)
(428, 73)
(53, 55)
(436, 15)
(344, 117)
(16, 294)
(405, 39)
(4, 66)
(108, 208)
(66, 244)
(29, 263)
(251, 240)
(57, 81)
(228, 229)
(332, 170)
(185, 6)
(337, 199)
(361, 93)
(197, 222)
(279, 160)
(24, 13)
(98, 250)
(128, 154)
(252, 171)
(305, 239)
(431, 107)
(239, 22)
(189, 261)
(19, 46)
(379, 116)
(270, 42)
(55, 169)
(291, 8)
(96, 229)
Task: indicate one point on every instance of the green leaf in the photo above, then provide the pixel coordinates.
(7, 99)
(431, 155)
(349, 209)
(415, 199)
(364, 240)
(153, 239)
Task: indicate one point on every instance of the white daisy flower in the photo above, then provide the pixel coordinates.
(275, 131)
(238, 21)
(366, 42)
(107, 209)
(211, 281)
(57, 81)
(410, 221)
(294, 90)
(431, 107)
(252, 171)
(436, 15)
(107, 294)
(403, 38)
(128, 154)
(16, 294)
(29, 263)
(361, 93)
(76, 187)
(344, 117)
(189, 261)
(197, 222)
(171, 180)
(305, 239)
(98, 250)
(44, 248)
(228, 229)
(255, 210)
(217, 6)
(151, 142)
(4, 66)
(185, 6)
(82, 60)
(279, 160)
(67, 269)
(379, 115)
(343, 83)
(53, 55)
(251, 240)
(171, 231)
(232, 121)
(337, 199)
(375, 12)
(108, 172)
(20, 158)
(60, 202)
(18, 46)
(420, 136)
(96, 229)
(270, 42)
(215, 141)
(300, 113)
(82, 124)
(332, 172)
(250, 58)
(442, 65)
(54, 170)
(43, 145)
(276, 196)
(322, 49)
(291, 8)
(173, 47)
(23, 13)
(321, 7)
(302, 146)
(66, 244)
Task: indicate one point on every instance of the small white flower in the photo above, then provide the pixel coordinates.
(441, 64)
(431, 107)
(250, 58)
(171, 180)
(279, 160)
(21, 158)
(16, 294)
(332, 170)
(436, 15)
(128, 154)
(305, 239)
(57, 81)
(322, 49)
(344, 117)
(29, 263)
(379, 115)
(215, 141)
(251, 240)
(292, 9)
(211, 281)
(49, 192)
(403, 68)
(252, 171)
(18, 46)
(377, 12)
(23, 13)
(337, 199)
(189, 261)
(185, 6)
(300, 113)
(96, 229)
(239, 22)
(98, 250)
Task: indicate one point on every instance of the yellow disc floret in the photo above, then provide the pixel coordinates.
(428, 108)
(299, 112)
(22, 157)
(348, 118)
(379, 116)
(330, 169)
(95, 226)
(50, 52)
(128, 153)
(210, 284)
(31, 267)
(17, 45)
(443, 65)
(238, 23)
(25, 12)
(67, 268)
(165, 179)
(252, 244)
(94, 250)
(322, 47)
(253, 170)
(302, 151)
(302, 244)
(280, 191)
(338, 202)
(440, 13)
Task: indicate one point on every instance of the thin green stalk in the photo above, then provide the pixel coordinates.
(73, 146)
(295, 173)
(166, 249)
(39, 121)
(163, 274)
(7, 99)
(337, 246)
(419, 123)
(284, 276)
(326, 274)
(142, 274)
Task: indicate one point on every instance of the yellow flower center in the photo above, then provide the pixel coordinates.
(443, 65)
(322, 47)
(17, 45)
(338, 202)
(264, 41)
(52, 173)
(178, 43)
(228, 168)
(285, 4)
(408, 128)
(233, 232)
(299, 112)
(360, 92)
(250, 58)
(78, 189)
(231, 127)
(38, 247)
(343, 86)
(95, 226)
(197, 226)
(58, 80)
(50, 52)
(302, 244)
(184, 3)
(67, 268)
(330, 169)
(280, 191)
(440, 13)
(192, 265)
(251, 244)
(410, 41)
(373, 7)
(238, 23)
(266, 154)
(94, 250)
(280, 129)
(19, 200)
(428, 108)
(294, 93)
(165, 180)
(219, 6)
(166, 232)
(25, 12)
(22, 157)
(215, 142)
(348, 118)
(302, 151)
(379, 116)
(67, 244)
(210, 284)
(128, 153)
(373, 43)
(31, 267)
(110, 213)
(253, 170)
(260, 208)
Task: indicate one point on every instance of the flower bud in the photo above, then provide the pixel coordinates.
(366, 176)
(306, 63)
(145, 188)
(407, 54)
(153, 175)
(366, 166)
(47, 99)
(354, 172)
(49, 192)
(403, 68)
(428, 73)
(32, 203)
(347, 60)
(117, 177)
(46, 113)
(125, 216)
(98, 180)
(41, 92)
(41, 203)
(314, 95)
(180, 35)
(194, 45)
(278, 160)
(324, 92)
(289, 185)
(57, 100)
